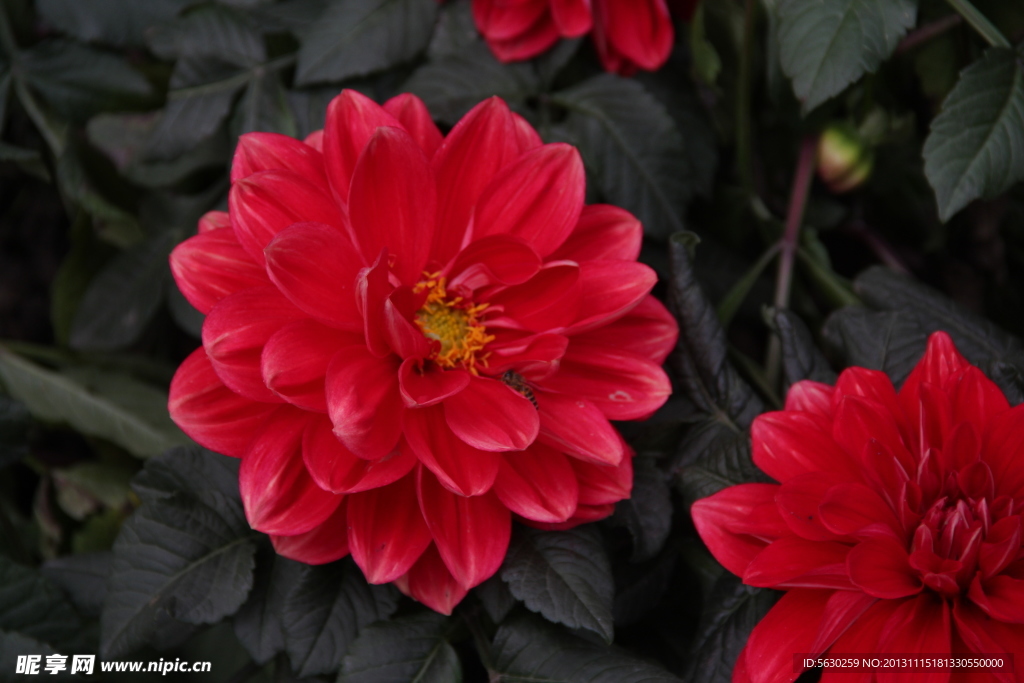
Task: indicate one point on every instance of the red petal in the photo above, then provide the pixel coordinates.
(603, 233)
(603, 484)
(799, 499)
(527, 138)
(498, 259)
(414, 117)
(209, 412)
(986, 637)
(977, 399)
(315, 266)
(214, 220)
(402, 335)
(739, 522)
(430, 582)
(790, 627)
(921, 626)
(492, 416)
(859, 420)
(578, 428)
(572, 17)
(535, 357)
(427, 385)
(471, 534)
(538, 484)
(549, 300)
(1002, 444)
(273, 152)
(854, 509)
(648, 330)
(503, 20)
(585, 514)
(610, 290)
(639, 31)
(530, 43)
(335, 468)
(278, 494)
(393, 202)
(1001, 597)
(316, 140)
(325, 543)
(792, 562)
(352, 119)
(940, 364)
(235, 332)
(363, 401)
(788, 444)
(212, 266)
(843, 610)
(881, 567)
(811, 397)
(266, 203)
(372, 291)
(386, 531)
(1001, 546)
(520, 201)
(623, 385)
(477, 148)
(862, 636)
(460, 468)
(295, 360)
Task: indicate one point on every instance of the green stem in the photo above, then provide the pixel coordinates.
(744, 145)
(980, 23)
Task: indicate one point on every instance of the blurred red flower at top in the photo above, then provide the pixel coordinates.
(628, 34)
(410, 339)
(896, 525)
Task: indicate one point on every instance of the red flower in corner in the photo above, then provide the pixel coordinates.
(411, 339)
(896, 525)
(628, 34)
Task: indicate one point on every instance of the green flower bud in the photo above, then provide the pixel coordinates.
(844, 159)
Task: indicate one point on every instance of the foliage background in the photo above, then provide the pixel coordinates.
(117, 123)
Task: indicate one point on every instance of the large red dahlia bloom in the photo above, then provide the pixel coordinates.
(628, 34)
(896, 525)
(411, 339)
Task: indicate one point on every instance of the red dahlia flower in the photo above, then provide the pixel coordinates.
(411, 339)
(896, 525)
(628, 34)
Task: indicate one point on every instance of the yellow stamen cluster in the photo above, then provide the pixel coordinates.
(454, 324)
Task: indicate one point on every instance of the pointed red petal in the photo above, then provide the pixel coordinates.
(386, 531)
(640, 31)
(792, 562)
(578, 428)
(372, 290)
(427, 385)
(811, 397)
(498, 259)
(471, 534)
(335, 468)
(460, 468)
(316, 266)
(572, 17)
(610, 290)
(266, 203)
(918, 625)
(393, 201)
(414, 117)
(585, 514)
(603, 233)
(503, 20)
(278, 494)
(363, 401)
(322, 544)
(986, 637)
(1002, 444)
(548, 300)
(212, 266)
(842, 611)
(788, 444)
(853, 509)
(430, 582)
(352, 119)
(648, 330)
(295, 360)
(214, 220)
(790, 627)
(799, 500)
(859, 421)
(235, 332)
(977, 399)
(209, 412)
(739, 522)
(603, 484)
(535, 357)
(273, 152)
(881, 567)
(1001, 597)
(530, 43)
(492, 416)
(538, 484)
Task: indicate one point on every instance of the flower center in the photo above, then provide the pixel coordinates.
(453, 322)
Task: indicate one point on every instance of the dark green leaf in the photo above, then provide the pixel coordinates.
(456, 32)
(324, 612)
(5, 92)
(976, 145)
(210, 32)
(452, 85)
(564, 575)
(708, 379)
(529, 650)
(79, 81)
(496, 598)
(112, 223)
(827, 44)
(178, 558)
(83, 578)
(358, 37)
(190, 470)
(33, 607)
(640, 589)
(259, 623)
(406, 650)
(633, 147)
(264, 107)
(83, 261)
(647, 513)
(111, 406)
(15, 421)
(711, 457)
(184, 313)
(13, 645)
(28, 160)
(123, 297)
(290, 15)
(211, 152)
(730, 614)
(801, 359)
(121, 22)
